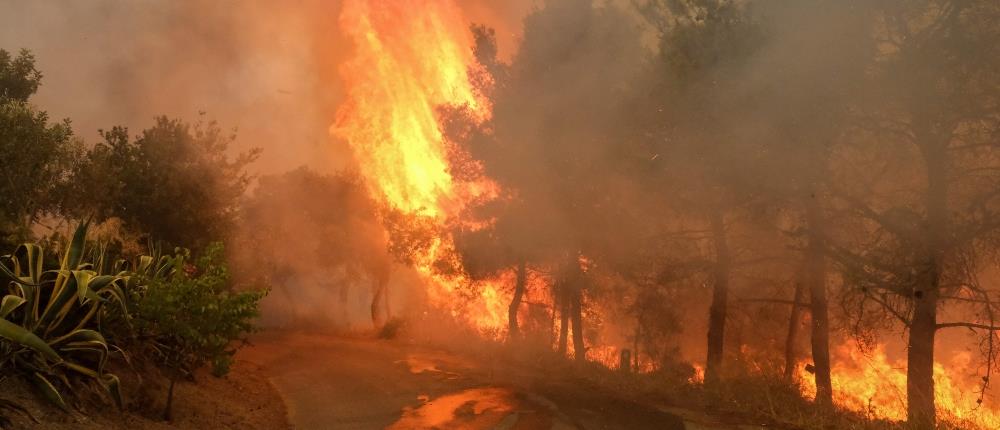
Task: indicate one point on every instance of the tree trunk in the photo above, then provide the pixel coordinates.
(376, 299)
(816, 280)
(920, 363)
(552, 322)
(576, 304)
(513, 331)
(385, 299)
(921, 412)
(720, 297)
(635, 343)
(791, 355)
(380, 299)
(563, 320)
(168, 410)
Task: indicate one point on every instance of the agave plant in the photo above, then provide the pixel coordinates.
(50, 320)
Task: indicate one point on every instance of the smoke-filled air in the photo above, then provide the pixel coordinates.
(526, 214)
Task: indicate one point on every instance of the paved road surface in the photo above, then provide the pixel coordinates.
(336, 383)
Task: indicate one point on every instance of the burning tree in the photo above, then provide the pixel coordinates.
(704, 46)
(797, 109)
(758, 125)
(937, 111)
(390, 122)
(552, 153)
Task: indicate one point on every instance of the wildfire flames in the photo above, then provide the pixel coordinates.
(871, 384)
(411, 58)
(414, 56)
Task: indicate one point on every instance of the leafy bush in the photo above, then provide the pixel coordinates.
(192, 317)
(50, 319)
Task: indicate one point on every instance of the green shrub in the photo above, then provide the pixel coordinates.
(186, 316)
(192, 317)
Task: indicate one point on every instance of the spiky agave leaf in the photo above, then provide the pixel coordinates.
(80, 335)
(108, 381)
(10, 303)
(78, 285)
(145, 262)
(59, 305)
(31, 273)
(22, 336)
(48, 390)
(112, 384)
(71, 261)
(58, 330)
(74, 254)
(98, 348)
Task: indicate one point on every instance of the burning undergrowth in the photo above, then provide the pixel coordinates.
(632, 168)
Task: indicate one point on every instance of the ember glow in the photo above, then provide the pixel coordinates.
(411, 58)
(868, 382)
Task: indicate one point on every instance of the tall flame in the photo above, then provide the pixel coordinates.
(412, 57)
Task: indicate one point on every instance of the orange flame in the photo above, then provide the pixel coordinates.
(412, 57)
(874, 386)
(699, 375)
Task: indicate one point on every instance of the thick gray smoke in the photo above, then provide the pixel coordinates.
(268, 69)
(265, 69)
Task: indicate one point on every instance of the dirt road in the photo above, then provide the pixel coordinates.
(335, 383)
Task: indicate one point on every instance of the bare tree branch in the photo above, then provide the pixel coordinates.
(968, 325)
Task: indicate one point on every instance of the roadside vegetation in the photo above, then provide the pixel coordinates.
(87, 292)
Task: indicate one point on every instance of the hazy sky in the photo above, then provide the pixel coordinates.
(267, 68)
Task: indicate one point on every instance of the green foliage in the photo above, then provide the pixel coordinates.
(175, 182)
(19, 79)
(36, 155)
(192, 316)
(50, 330)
